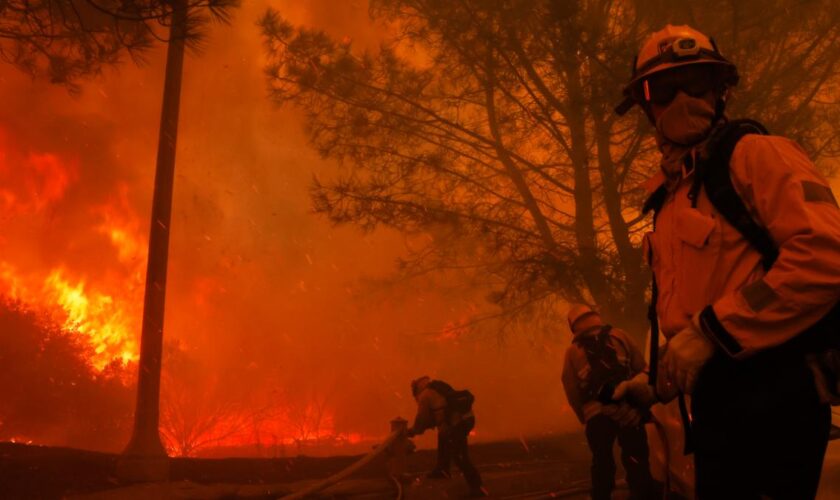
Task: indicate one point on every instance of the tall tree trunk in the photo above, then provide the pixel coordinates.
(145, 441)
(590, 265)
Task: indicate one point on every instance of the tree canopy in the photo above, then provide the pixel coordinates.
(66, 40)
(489, 127)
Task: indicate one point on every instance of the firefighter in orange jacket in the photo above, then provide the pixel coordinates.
(732, 323)
(601, 356)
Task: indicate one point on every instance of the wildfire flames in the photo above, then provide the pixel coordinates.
(102, 308)
(269, 431)
(97, 315)
(32, 184)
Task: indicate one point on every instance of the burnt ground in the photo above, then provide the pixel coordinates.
(37, 472)
(512, 469)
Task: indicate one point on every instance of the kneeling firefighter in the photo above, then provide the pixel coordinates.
(745, 254)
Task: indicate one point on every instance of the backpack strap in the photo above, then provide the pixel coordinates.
(654, 202)
(602, 360)
(715, 177)
(653, 319)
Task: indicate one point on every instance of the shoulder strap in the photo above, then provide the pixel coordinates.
(716, 180)
(602, 339)
(655, 203)
(597, 351)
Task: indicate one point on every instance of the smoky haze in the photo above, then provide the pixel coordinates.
(271, 310)
(281, 328)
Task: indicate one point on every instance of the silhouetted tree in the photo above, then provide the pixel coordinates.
(67, 40)
(49, 393)
(489, 127)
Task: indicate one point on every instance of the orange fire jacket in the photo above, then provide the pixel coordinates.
(700, 260)
(576, 370)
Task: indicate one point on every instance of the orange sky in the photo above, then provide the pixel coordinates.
(262, 293)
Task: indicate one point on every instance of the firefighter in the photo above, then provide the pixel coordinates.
(599, 358)
(745, 277)
(439, 406)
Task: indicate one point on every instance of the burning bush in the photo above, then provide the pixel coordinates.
(50, 392)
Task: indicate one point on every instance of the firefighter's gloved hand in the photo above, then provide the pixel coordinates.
(686, 354)
(666, 389)
(623, 413)
(636, 391)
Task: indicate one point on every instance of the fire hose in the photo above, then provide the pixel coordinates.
(348, 471)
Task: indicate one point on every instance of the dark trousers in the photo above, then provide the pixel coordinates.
(758, 429)
(452, 447)
(443, 458)
(601, 433)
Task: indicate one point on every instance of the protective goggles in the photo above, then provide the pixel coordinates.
(661, 88)
(655, 90)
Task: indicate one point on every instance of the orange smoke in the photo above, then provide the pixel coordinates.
(32, 181)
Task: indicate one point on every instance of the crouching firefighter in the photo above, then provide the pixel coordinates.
(745, 254)
(450, 411)
(600, 358)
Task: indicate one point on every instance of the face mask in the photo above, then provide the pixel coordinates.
(686, 121)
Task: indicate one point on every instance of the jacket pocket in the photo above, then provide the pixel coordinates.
(700, 241)
(695, 228)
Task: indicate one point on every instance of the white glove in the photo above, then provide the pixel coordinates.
(623, 413)
(636, 390)
(685, 355)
